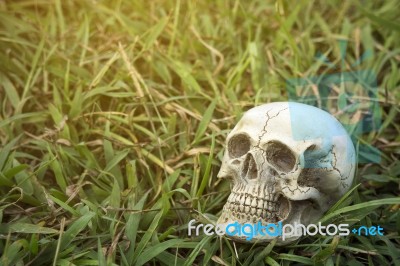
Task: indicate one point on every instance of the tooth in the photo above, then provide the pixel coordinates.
(253, 210)
(247, 209)
(234, 197)
(260, 203)
(264, 214)
(265, 204)
(259, 212)
(254, 202)
(248, 200)
(239, 198)
(242, 199)
(230, 198)
(238, 195)
(241, 208)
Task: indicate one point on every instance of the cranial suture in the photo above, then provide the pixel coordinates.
(288, 162)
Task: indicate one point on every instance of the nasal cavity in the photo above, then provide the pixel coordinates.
(249, 169)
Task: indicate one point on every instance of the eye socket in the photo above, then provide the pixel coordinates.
(280, 156)
(238, 145)
(311, 155)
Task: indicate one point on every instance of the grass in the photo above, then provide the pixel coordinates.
(113, 117)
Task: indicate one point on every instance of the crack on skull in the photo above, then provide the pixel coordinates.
(306, 189)
(341, 177)
(264, 160)
(264, 130)
(309, 176)
(240, 151)
(344, 184)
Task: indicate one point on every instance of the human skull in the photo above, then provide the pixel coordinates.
(288, 162)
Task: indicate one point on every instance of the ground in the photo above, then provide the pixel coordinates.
(114, 114)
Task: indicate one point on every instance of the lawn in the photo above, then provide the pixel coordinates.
(114, 114)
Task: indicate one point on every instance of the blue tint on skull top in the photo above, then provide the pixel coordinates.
(311, 123)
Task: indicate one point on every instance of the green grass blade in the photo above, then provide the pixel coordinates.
(27, 228)
(153, 251)
(205, 121)
(146, 237)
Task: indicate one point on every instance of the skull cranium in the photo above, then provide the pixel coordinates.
(288, 162)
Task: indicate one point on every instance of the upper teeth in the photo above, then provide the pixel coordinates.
(241, 205)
